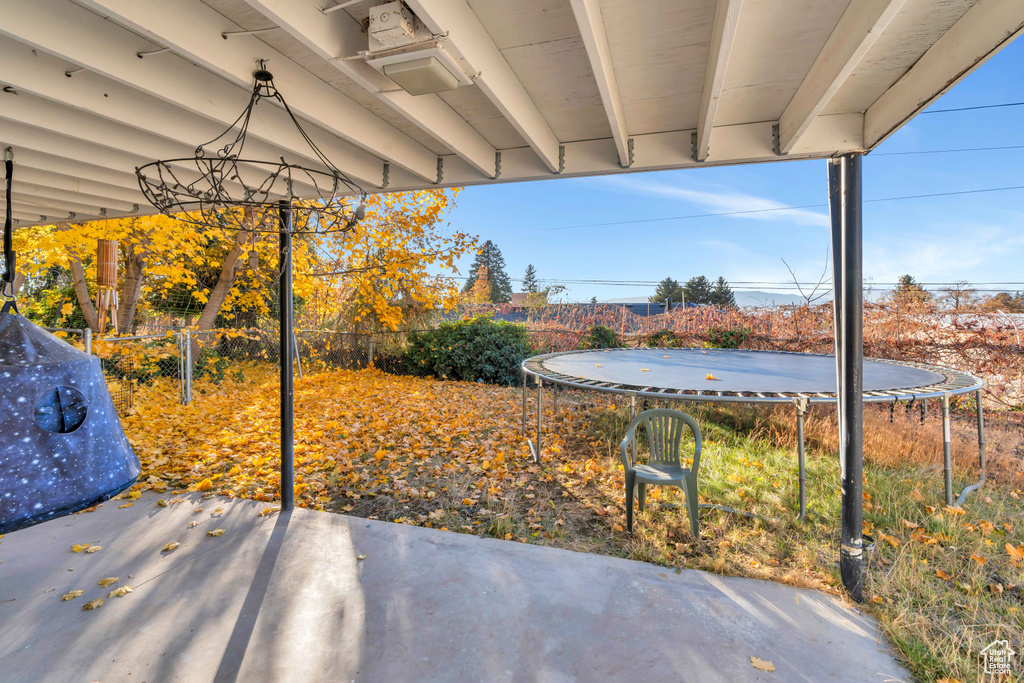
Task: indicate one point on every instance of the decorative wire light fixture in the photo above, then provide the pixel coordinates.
(235, 192)
(229, 181)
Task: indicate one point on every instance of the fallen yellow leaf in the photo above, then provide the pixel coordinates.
(103, 583)
(170, 547)
(942, 575)
(71, 595)
(162, 503)
(979, 559)
(761, 664)
(93, 549)
(95, 604)
(134, 495)
(126, 505)
(215, 532)
(1016, 554)
(710, 376)
(360, 557)
(120, 592)
(192, 525)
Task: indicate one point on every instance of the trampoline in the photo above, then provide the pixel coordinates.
(748, 376)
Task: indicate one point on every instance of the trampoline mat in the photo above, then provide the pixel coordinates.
(735, 370)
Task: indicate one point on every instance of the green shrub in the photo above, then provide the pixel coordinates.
(665, 338)
(727, 339)
(601, 337)
(478, 349)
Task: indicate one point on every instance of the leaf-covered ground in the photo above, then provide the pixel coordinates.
(944, 582)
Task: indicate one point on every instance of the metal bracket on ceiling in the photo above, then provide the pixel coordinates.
(497, 165)
(254, 32)
(561, 158)
(387, 175)
(9, 90)
(135, 208)
(103, 212)
(629, 149)
(440, 170)
(693, 146)
(72, 215)
(71, 72)
(146, 53)
(775, 139)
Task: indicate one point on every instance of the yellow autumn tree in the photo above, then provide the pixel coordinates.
(391, 265)
(397, 264)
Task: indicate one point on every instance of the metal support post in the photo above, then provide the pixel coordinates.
(370, 353)
(187, 375)
(801, 411)
(87, 340)
(284, 283)
(845, 208)
(947, 458)
(298, 356)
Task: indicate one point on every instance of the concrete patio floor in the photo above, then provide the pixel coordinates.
(284, 598)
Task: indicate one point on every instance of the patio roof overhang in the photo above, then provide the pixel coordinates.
(554, 88)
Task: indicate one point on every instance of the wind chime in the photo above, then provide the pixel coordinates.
(237, 192)
(62, 448)
(106, 284)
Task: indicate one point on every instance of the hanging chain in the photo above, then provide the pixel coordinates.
(10, 269)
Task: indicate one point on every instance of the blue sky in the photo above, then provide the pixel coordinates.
(978, 238)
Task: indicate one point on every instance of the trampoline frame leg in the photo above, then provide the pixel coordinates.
(801, 411)
(982, 460)
(947, 459)
(535, 445)
(524, 404)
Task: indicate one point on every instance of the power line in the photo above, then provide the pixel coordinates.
(947, 151)
(931, 195)
(979, 106)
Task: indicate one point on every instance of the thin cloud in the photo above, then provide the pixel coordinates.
(724, 202)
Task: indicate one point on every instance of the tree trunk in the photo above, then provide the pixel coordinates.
(131, 289)
(82, 292)
(220, 290)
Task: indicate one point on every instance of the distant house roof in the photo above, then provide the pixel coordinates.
(519, 298)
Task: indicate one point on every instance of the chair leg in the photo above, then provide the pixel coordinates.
(641, 496)
(693, 505)
(630, 488)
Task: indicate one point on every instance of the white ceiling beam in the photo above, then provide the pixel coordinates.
(35, 111)
(82, 37)
(981, 32)
(857, 30)
(467, 38)
(595, 40)
(193, 30)
(723, 32)
(337, 36)
(49, 163)
(83, 185)
(22, 137)
(47, 205)
(26, 214)
(25, 187)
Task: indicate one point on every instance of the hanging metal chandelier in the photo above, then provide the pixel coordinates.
(234, 191)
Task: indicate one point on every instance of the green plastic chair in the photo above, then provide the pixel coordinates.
(664, 467)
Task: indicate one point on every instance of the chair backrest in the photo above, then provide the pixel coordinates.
(665, 435)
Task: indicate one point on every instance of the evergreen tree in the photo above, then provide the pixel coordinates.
(697, 290)
(721, 294)
(909, 291)
(500, 285)
(667, 289)
(530, 280)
